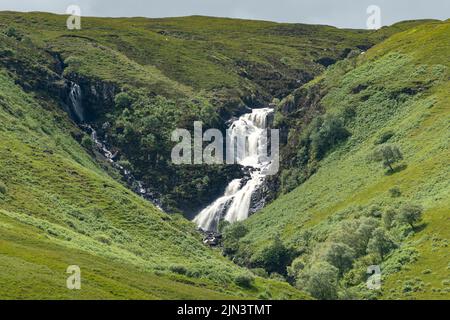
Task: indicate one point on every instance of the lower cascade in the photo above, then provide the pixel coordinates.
(234, 205)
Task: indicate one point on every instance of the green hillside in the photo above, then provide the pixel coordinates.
(347, 212)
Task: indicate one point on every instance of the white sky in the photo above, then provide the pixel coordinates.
(340, 13)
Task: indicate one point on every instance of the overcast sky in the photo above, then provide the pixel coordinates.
(340, 13)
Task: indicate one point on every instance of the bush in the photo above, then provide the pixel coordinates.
(244, 280)
(375, 211)
(273, 258)
(87, 142)
(178, 269)
(384, 137)
(296, 267)
(126, 165)
(389, 218)
(3, 188)
(339, 255)
(231, 235)
(291, 179)
(277, 276)
(14, 33)
(122, 100)
(380, 243)
(264, 295)
(321, 281)
(222, 225)
(326, 132)
(395, 192)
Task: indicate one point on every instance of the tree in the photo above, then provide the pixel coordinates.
(410, 214)
(339, 255)
(380, 243)
(123, 100)
(321, 281)
(388, 155)
(274, 258)
(389, 218)
(326, 133)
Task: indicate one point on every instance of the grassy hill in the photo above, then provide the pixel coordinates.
(396, 94)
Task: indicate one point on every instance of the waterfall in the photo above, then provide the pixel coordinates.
(234, 205)
(76, 98)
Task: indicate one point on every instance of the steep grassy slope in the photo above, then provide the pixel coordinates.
(395, 94)
(59, 208)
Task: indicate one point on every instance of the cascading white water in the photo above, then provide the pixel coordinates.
(76, 100)
(234, 205)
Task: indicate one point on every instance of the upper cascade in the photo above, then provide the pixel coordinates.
(234, 205)
(76, 99)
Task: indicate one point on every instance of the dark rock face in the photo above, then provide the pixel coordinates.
(326, 61)
(265, 194)
(98, 96)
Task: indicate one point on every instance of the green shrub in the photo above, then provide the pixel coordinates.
(389, 218)
(87, 142)
(122, 100)
(326, 133)
(126, 164)
(244, 280)
(384, 137)
(321, 281)
(291, 179)
(14, 33)
(277, 276)
(395, 192)
(338, 255)
(231, 235)
(3, 188)
(275, 257)
(264, 295)
(375, 211)
(178, 269)
(380, 243)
